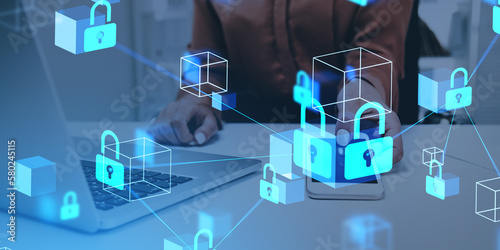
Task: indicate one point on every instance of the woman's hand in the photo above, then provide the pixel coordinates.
(189, 120)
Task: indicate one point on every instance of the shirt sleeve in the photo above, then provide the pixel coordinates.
(381, 28)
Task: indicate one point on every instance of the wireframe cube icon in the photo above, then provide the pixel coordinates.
(35, 176)
(292, 188)
(224, 102)
(71, 25)
(137, 165)
(430, 154)
(217, 220)
(487, 197)
(367, 232)
(432, 88)
(204, 74)
(185, 242)
(330, 70)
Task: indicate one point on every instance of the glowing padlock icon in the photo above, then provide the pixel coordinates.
(109, 171)
(269, 191)
(460, 97)
(365, 158)
(101, 36)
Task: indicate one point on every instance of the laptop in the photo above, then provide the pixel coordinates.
(33, 117)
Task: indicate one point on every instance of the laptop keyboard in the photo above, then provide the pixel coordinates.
(105, 201)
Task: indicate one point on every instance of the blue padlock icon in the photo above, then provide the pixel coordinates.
(70, 208)
(302, 91)
(210, 238)
(442, 185)
(360, 2)
(102, 36)
(496, 18)
(460, 97)
(313, 149)
(434, 185)
(108, 171)
(269, 191)
(365, 158)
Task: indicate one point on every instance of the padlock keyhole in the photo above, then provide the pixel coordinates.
(99, 36)
(109, 168)
(313, 151)
(368, 155)
(458, 97)
(269, 191)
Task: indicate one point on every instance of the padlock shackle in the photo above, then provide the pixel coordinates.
(302, 75)
(466, 75)
(68, 195)
(357, 118)
(210, 238)
(440, 168)
(268, 165)
(92, 11)
(303, 108)
(103, 141)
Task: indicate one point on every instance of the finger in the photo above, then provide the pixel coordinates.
(207, 129)
(163, 133)
(179, 124)
(167, 131)
(161, 130)
(393, 128)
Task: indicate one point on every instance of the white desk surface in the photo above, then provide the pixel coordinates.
(419, 221)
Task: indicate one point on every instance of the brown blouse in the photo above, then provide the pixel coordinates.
(268, 41)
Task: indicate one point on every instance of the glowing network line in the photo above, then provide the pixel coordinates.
(484, 55)
(421, 120)
(155, 214)
(449, 131)
(242, 219)
(484, 145)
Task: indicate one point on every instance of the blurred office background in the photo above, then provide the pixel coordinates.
(112, 85)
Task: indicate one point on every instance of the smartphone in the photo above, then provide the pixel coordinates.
(371, 190)
(338, 187)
